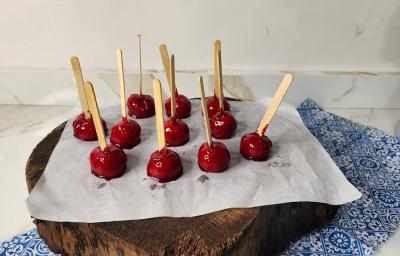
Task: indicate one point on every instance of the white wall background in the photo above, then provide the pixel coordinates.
(307, 35)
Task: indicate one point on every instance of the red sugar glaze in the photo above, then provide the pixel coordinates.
(140, 106)
(108, 164)
(255, 147)
(164, 166)
(125, 134)
(213, 105)
(214, 158)
(84, 128)
(183, 106)
(176, 132)
(223, 125)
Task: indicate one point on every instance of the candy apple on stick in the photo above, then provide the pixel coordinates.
(140, 105)
(223, 123)
(176, 130)
(164, 165)
(83, 125)
(106, 161)
(212, 156)
(256, 145)
(126, 133)
(213, 101)
(183, 105)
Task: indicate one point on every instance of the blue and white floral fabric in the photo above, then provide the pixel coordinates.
(369, 159)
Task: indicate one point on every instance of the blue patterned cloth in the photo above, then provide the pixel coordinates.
(369, 159)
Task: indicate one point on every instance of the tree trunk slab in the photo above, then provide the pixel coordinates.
(263, 230)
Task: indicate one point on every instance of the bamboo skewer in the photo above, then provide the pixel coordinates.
(219, 82)
(94, 109)
(173, 86)
(276, 101)
(205, 112)
(217, 48)
(121, 82)
(76, 69)
(140, 64)
(166, 61)
(159, 114)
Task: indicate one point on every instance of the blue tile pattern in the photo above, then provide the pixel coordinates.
(369, 158)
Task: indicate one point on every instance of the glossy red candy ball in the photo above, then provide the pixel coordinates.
(164, 165)
(183, 107)
(84, 128)
(255, 147)
(223, 125)
(176, 132)
(125, 134)
(140, 106)
(214, 158)
(213, 105)
(109, 163)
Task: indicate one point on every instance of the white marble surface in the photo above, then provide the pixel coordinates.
(23, 125)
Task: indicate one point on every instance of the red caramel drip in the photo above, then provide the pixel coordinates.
(176, 132)
(126, 133)
(223, 125)
(214, 158)
(255, 147)
(183, 106)
(140, 105)
(109, 163)
(84, 128)
(164, 165)
(213, 105)
(264, 129)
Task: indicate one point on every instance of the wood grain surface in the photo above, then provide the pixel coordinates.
(253, 231)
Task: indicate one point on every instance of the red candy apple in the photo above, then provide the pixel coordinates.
(84, 128)
(126, 133)
(223, 125)
(140, 106)
(183, 106)
(213, 105)
(176, 132)
(214, 157)
(108, 163)
(255, 147)
(165, 165)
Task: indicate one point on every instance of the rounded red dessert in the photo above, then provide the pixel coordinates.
(176, 132)
(140, 106)
(125, 134)
(255, 147)
(109, 163)
(214, 158)
(164, 165)
(84, 128)
(223, 125)
(213, 105)
(183, 106)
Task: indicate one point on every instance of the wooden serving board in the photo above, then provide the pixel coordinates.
(253, 231)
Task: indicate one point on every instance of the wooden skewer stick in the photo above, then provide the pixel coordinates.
(159, 114)
(205, 112)
(140, 64)
(217, 47)
(76, 69)
(276, 101)
(220, 84)
(173, 86)
(165, 59)
(121, 82)
(94, 109)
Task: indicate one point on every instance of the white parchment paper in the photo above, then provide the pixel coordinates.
(299, 169)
